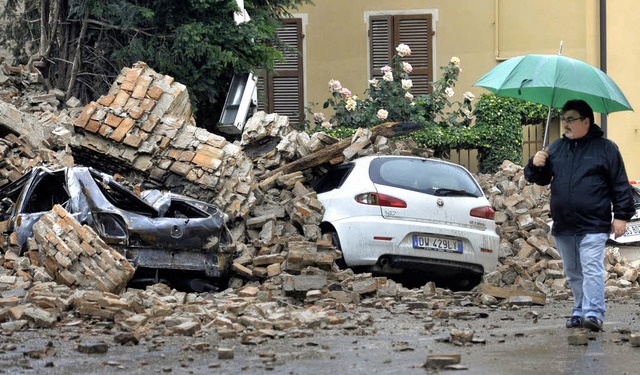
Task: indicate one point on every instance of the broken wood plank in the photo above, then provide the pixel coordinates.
(388, 130)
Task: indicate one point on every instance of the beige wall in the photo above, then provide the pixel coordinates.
(482, 33)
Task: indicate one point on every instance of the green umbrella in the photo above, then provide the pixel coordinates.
(553, 80)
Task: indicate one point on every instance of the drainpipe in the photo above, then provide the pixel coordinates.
(603, 52)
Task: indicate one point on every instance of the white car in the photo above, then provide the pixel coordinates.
(632, 234)
(390, 213)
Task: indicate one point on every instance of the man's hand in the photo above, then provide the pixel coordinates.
(540, 158)
(618, 227)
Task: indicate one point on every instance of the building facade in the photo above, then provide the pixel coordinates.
(349, 40)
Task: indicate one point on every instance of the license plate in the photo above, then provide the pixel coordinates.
(437, 243)
(632, 230)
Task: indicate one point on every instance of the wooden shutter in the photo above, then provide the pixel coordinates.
(380, 43)
(415, 31)
(386, 32)
(284, 88)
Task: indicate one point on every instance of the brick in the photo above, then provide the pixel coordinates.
(86, 114)
(136, 112)
(93, 126)
(155, 92)
(113, 120)
(180, 168)
(132, 140)
(142, 86)
(63, 260)
(87, 248)
(203, 160)
(121, 99)
(105, 130)
(186, 156)
(66, 277)
(147, 104)
(122, 129)
(131, 79)
(131, 103)
(106, 100)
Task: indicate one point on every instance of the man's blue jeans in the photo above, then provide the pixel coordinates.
(583, 262)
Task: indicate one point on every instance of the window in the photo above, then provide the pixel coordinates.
(281, 92)
(415, 30)
(334, 178)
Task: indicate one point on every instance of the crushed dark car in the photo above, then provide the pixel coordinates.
(157, 232)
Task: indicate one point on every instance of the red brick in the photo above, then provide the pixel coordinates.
(136, 112)
(105, 130)
(141, 88)
(151, 122)
(106, 100)
(86, 114)
(120, 100)
(155, 92)
(123, 129)
(93, 126)
(113, 120)
(130, 79)
(133, 140)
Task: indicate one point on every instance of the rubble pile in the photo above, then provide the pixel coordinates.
(144, 125)
(285, 280)
(529, 259)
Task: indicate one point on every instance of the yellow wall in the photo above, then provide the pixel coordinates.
(623, 65)
(481, 33)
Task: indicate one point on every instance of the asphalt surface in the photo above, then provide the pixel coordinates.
(515, 340)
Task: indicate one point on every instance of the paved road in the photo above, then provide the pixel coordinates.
(509, 342)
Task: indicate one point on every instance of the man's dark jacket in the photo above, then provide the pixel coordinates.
(587, 176)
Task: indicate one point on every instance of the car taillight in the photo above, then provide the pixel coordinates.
(376, 199)
(485, 212)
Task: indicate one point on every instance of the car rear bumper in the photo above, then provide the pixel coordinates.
(212, 264)
(364, 240)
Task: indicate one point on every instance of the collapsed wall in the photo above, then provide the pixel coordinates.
(144, 125)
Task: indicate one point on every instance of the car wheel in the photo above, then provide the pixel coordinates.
(336, 243)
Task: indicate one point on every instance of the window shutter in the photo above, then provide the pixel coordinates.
(380, 40)
(286, 84)
(415, 31)
(263, 91)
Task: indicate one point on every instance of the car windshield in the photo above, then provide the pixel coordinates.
(425, 176)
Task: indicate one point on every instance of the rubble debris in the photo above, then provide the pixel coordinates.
(93, 347)
(578, 338)
(285, 281)
(513, 295)
(225, 353)
(439, 361)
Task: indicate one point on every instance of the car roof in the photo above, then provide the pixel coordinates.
(368, 158)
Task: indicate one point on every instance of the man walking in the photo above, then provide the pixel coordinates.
(588, 184)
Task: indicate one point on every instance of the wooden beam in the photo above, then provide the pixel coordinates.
(388, 130)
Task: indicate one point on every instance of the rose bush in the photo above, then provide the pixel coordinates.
(390, 98)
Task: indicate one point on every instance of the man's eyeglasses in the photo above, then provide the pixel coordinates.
(569, 120)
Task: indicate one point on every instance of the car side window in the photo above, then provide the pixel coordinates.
(334, 178)
(49, 190)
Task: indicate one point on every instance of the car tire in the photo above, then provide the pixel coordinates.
(335, 240)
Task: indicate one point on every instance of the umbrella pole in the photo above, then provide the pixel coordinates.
(546, 130)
